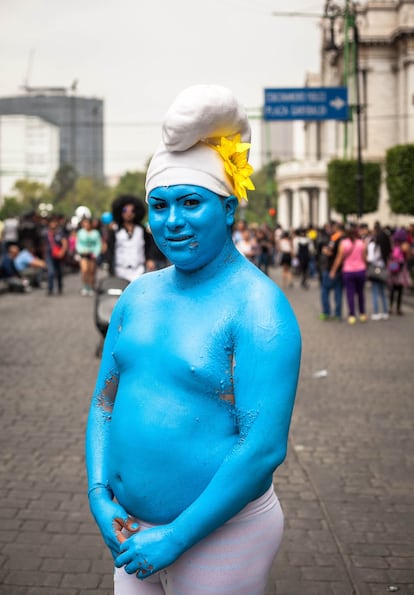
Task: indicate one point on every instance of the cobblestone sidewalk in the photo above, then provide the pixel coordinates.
(346, 486)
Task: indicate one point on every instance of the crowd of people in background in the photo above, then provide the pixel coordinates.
(36, 251)
(344, 259)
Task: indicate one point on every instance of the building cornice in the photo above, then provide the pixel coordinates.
(386, 40)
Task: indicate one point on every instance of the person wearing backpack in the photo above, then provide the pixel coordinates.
(303, 250)
(398, 269)
(378, 252)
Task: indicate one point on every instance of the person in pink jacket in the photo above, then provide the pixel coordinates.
(352, 255)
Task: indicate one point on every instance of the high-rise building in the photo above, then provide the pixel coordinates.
(78, 119)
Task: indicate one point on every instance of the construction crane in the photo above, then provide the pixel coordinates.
(44, 90)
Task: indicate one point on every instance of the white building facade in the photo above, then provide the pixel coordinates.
(29, 148)
(386, 84)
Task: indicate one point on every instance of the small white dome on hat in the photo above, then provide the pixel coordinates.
(203, 112)
(200, 114)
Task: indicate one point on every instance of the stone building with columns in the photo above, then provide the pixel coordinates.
(386, 97)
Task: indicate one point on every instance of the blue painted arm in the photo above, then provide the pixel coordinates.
(110, 517)
(267, 356)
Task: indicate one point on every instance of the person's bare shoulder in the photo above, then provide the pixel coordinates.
(263, 304)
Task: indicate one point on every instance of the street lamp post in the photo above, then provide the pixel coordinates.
(332, 11)
(360, 167)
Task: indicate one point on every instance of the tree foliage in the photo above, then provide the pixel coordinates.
(342, 186)
(132, 182)
(11, 207)
(27, 196)
(263, 198)
(31, 193)
(399, 166)
(63, 182)
(89, 192)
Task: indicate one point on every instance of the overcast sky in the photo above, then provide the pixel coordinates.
(137, 55)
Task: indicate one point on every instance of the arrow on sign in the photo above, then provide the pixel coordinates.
(337, 103)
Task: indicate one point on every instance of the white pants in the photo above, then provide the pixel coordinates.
(234, 560)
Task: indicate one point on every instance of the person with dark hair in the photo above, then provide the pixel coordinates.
(399, 273)
(192, 406)
(155, 259)
(303, 248)
(128, 242)
(328, 250)
(89, 247)
(9, 274)
(56, 247)
(30, 233)
(264, 239)
(352, 257)
(383, 240)
(378, 251)
(22, 268)
(285, 249)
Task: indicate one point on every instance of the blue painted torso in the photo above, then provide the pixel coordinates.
(176, 405)
(174, 419)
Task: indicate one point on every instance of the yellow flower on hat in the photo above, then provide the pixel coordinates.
(234, 154)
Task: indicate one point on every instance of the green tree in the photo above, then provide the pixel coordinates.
(27, 195)
(31, 193)
(132, 182)
(342, 188)
(11, 208)
(399, 166)
(264, 197)
(88, 192)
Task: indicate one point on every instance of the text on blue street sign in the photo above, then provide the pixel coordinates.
(308, 103)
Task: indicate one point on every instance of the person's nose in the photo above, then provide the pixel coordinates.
(175, 219)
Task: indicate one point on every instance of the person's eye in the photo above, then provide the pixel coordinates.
(191, 202)
(158, 206)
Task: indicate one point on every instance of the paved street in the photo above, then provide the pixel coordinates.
(346, 487)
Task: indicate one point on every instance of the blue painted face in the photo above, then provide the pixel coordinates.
(190, 224)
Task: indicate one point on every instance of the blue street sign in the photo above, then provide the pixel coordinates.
(308, 103)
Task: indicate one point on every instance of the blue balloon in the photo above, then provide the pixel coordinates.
(106, 218)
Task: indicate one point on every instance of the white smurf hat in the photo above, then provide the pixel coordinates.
(205, 142)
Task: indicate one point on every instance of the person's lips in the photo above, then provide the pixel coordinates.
(176, 239)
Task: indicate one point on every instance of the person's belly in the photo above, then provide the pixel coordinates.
(165, 448)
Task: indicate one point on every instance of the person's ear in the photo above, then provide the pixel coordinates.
(230, 206)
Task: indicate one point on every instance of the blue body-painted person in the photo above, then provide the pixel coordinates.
(191, 411)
